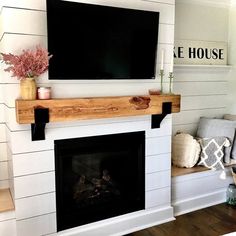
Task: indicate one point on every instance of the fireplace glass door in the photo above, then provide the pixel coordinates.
(99, 177)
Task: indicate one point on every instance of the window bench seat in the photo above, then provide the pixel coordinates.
(198, 187)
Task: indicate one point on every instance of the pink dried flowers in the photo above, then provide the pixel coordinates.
(29, 64)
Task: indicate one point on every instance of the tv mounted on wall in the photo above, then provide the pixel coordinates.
(100, 42)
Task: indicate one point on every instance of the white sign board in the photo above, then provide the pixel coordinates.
(200, 52)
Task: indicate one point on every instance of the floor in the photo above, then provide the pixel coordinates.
(212, 221)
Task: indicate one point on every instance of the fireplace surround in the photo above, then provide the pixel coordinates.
(99, 177)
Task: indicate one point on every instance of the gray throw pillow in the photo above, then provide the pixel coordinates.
(213, 152)
(209, 128)
(233, 150)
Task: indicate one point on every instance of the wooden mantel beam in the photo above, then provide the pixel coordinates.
(95, 108)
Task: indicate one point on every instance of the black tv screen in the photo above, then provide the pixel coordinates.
(100, 42)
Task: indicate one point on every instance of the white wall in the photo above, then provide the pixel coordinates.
(204, 89)
(4, 177)
(232, 58)
(32, 163)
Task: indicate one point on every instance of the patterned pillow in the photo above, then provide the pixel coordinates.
(210, 128)
(213, 152)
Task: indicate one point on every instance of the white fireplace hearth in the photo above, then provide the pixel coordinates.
(33, 170)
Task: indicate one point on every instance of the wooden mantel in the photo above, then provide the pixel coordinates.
(94, 108)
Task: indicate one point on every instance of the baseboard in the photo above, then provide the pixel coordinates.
(124, 225)
(199, 202)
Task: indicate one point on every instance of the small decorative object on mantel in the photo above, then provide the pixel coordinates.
(154, 92)
(171, 77)
(44, 93)
(27, 67)
(162, 70)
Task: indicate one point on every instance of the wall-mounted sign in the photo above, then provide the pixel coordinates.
(200, 52)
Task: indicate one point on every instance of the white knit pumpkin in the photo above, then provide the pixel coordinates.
(185, 150)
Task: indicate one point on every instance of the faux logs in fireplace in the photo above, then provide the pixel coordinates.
(99, 177)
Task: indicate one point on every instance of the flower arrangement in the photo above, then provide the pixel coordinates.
(29, 64)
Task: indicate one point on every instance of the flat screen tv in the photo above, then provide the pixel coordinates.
(100, 42)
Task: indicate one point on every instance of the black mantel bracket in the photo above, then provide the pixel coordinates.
(157, 119)
(41, 117)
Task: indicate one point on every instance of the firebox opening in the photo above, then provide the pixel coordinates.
(99, 177)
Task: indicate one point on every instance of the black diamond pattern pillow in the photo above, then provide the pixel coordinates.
(213, 152)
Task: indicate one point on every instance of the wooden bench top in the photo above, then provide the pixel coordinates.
(6, 203)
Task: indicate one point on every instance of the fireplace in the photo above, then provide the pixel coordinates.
(99, 177)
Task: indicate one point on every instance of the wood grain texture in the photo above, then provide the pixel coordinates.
(6, 203)
(213, 221)
(176, 171)
(95, 108)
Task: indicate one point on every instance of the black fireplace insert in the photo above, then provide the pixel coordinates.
(99, 177)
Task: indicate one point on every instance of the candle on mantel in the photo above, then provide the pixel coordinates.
(171, 63)
(162, 59)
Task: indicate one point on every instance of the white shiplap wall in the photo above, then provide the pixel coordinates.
(32, 163)
(204, 89)
(4, 176)
(204, 93)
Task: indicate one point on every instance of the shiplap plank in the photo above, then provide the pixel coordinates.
(3, 152)
(37, 226)
(158, 145)
(4, 170)
(32, 163)
(2, 133)
(157, 197)
(22, 139)
(22, 21)
(200, 74)
(166, 34)
(157, 180)
(198, 186)
(31, 185)
(186, 128)
(1, 92)
(192, 116)
(35, 206)
(8, 228)
(26, 4)
(203, 102)
(8, 215)
(159, 162)
(161, 1)
(15, 43)
(200, 88)
(2, 113)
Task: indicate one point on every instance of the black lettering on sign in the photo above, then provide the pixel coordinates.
(174, 53)
(200, 53)
(192, 52)
(180, 52)
(214, 53)
(208, 53)
(221, 53)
